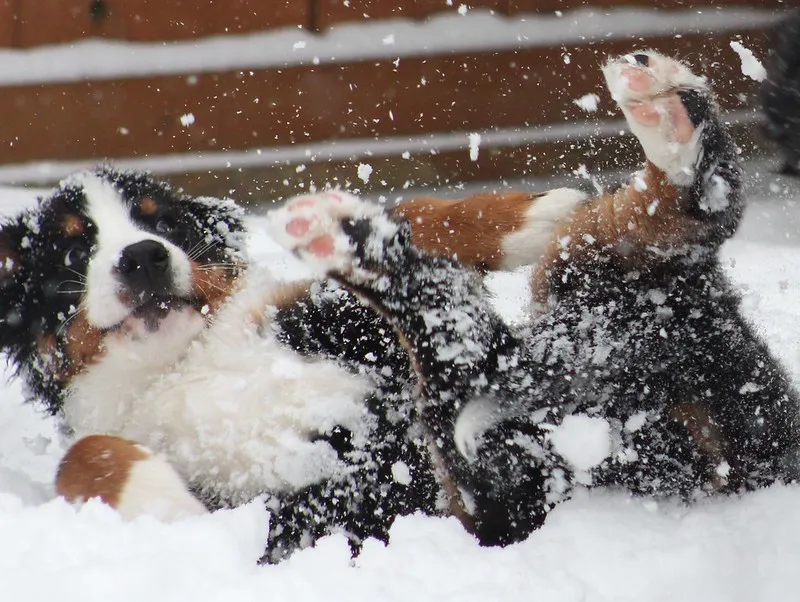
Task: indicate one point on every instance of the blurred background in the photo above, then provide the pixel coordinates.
(260, 99)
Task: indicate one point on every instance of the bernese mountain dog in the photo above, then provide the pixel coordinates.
(390, 386)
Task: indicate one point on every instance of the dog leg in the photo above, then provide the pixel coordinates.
(127, 477)
(475, 380)
(684, 203)
(494, 231)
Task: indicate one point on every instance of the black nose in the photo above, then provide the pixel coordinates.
(642, 59)
(144, 267)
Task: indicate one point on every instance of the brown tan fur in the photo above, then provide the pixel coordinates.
(471, 229)
(284, 296)
(148, 206)
(98, 466)
(288, 293)
(84, 346)
(72, 226)
(637, 216)
(698, 423)
(214, 284)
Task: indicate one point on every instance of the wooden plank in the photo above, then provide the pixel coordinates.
(330, 12)
(58, 21)
(277, 107)
(8, 10)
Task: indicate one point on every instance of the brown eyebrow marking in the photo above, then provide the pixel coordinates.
(72, 226)
(148, 206)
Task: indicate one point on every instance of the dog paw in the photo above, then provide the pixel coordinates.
(665, 106)
(321, 229)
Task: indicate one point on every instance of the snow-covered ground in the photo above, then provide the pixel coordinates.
(600, 546)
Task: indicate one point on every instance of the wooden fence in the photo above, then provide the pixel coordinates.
(278, 123)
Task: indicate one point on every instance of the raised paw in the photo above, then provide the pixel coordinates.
(665, 105)
(314, 227)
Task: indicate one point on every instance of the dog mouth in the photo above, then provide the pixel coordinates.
(154, 310)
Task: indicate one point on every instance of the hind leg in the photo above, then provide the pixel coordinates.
(687, 199)
(675, 118)
(654, 93)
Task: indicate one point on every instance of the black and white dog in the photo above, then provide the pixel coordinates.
(641, 371)
(133, 313)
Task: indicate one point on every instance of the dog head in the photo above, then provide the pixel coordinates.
(109, 254)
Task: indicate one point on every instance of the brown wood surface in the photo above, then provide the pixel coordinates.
(8, 10)
(56, 21)
(299, 105)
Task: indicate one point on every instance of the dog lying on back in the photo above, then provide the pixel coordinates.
(134, 315)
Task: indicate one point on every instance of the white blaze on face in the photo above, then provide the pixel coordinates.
(115, 231)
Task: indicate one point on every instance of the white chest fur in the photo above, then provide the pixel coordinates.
(230, 407)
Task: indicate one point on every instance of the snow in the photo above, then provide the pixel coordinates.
(364, 172)
(751, 66)
(583, 441)
(588, 102)
(474, 146)
(601, 546)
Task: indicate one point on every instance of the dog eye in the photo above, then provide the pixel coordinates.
(165, 225)
(76, 255)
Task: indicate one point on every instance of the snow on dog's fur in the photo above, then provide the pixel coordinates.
(133, 314)
(640, 370)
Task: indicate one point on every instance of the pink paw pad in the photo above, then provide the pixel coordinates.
(322, 246)
(299, 226)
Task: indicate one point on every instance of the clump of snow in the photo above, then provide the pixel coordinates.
(583, 441)
(400, 473)
(187, 119)
(364, 172)
(751, 66)
(474, 146)
(588, 102)
(716, 197)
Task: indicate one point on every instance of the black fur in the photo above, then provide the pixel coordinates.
(330, 322)
(693, 398)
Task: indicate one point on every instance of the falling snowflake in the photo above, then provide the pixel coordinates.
(364, 172)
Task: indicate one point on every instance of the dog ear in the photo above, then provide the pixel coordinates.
(11, 251)
(13, 247)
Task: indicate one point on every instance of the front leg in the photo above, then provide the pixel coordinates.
(439, 309)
